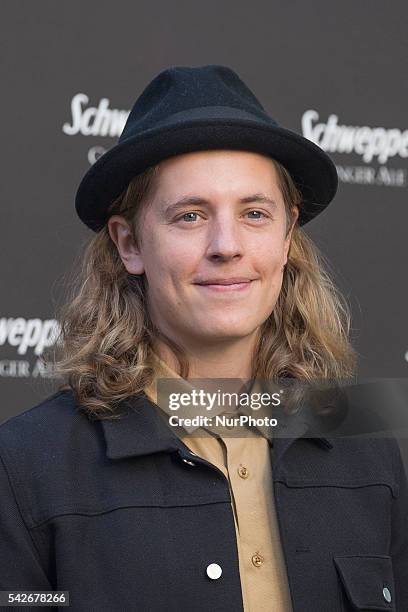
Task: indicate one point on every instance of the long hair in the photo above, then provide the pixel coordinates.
(106, 333)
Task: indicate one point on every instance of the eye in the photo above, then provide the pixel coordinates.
(259, 212)
(189, 216)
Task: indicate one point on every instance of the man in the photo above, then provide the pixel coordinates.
(105, 500)
(215, 270)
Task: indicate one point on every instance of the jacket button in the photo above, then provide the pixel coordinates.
(214, 571)
(387, 594)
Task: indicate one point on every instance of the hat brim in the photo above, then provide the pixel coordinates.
(310, 167)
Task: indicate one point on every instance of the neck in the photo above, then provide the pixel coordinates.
(231, 359)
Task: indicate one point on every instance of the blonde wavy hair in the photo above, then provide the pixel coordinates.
(102, 353)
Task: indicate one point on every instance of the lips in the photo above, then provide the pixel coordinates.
(226, 286)
(224, 281)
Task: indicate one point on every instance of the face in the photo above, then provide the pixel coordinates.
(214, 241)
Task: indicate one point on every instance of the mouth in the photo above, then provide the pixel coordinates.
(226, 286)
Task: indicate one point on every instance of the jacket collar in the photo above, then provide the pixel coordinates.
(141, 430)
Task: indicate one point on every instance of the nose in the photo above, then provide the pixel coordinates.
(224, 240)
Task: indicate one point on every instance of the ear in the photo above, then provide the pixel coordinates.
(121, 234)
(294, 217)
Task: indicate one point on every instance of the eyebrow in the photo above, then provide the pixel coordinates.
(259, 198)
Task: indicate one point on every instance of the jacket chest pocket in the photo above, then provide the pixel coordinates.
(341, 515)
(367, 582)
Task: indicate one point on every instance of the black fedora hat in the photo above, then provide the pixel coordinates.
(185, 109)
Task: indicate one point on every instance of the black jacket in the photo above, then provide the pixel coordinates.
(123, 516)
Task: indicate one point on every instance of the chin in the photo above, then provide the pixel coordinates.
(227, 331)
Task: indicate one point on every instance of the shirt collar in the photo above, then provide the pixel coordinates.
(142, 430)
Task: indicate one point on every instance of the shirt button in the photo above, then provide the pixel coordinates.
(387, 594)
(257, 559)
(243, 471)
(214, 571)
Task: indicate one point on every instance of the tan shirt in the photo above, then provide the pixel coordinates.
(246, 463)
